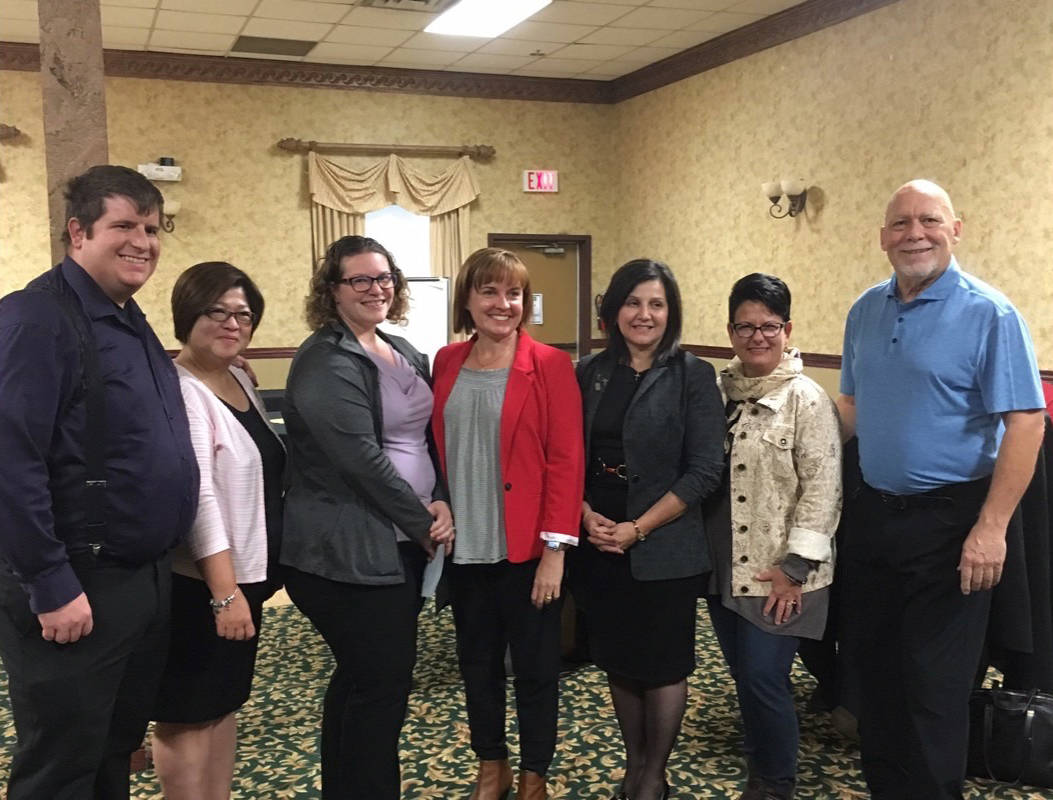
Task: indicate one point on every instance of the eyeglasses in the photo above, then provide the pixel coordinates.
(769, 330)
(363, 283)
(221, 315)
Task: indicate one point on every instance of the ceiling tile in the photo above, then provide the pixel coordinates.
(763, 6)
(127, 17)
(632, 36)
(188, 40)
(611, 69)
(386, 18)
(347, 53)
(301, 10)
(558, 65)
(697, 5)
(350, 34)
(723, 21)
(190, 51)
(648, 55)
(286, 29)
(580, 13)
(681, 40)
(519, 47)
(491, 62)
(533, 71)
(549, 31)
(113, 36)
(593, 52)
(133, 3)
(436, 41)
(18, 9)
(668, 19)
(626, 2)
(203, 23)
(236, 7)
(418, 58)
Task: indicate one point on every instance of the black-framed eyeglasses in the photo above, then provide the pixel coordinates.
(769, 330)
(221, 315)
(363, 283)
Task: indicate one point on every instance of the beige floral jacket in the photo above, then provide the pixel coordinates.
(785, 460)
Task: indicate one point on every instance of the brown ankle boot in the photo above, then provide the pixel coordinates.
(531, 786)
(493, 781)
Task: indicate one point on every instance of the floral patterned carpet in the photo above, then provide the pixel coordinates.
(277, 756)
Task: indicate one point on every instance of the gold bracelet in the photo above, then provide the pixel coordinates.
(639, 533)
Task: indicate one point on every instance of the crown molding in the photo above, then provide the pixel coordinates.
(794, 22)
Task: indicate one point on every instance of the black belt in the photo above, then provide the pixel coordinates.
(940, 496)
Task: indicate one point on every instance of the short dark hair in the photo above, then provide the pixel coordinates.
(487, 265)
(623, 281)
(201, 285)
(320, 305)
(86, 194)
(760, 288)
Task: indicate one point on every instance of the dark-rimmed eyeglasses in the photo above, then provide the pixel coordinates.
(769, 330)
(363, 283)
(221, 315)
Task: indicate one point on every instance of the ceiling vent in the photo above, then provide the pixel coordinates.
(427, 6)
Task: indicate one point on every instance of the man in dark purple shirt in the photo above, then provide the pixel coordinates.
(97, 483)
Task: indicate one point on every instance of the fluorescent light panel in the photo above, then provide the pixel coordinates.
(485, 18)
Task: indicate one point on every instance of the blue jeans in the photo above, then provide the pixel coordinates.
(760, 664)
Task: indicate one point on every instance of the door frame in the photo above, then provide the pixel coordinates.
(583, 242)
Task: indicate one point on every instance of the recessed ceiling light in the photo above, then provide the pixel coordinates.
(484, 18)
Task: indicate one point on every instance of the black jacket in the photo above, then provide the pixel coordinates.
(673, 437)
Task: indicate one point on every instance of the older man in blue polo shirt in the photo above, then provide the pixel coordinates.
(98, 482)
(940, 384)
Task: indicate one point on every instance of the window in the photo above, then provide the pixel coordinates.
(405, 235)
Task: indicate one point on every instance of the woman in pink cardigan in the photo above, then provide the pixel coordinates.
(227, 567)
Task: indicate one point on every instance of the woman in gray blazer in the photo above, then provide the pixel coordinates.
(364, 509)
(654, 432)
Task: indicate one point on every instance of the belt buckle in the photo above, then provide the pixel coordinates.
(620, 471)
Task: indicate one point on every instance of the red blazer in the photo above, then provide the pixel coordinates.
(542, 455)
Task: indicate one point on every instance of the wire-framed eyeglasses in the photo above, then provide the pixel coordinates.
(363, 283)
(221, 315)
(769, 330)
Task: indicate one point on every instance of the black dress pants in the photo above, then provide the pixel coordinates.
(491, 612)
(913, 638)
(81, 709)
(372, 631)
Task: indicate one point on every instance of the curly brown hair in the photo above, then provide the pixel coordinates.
(320, 305)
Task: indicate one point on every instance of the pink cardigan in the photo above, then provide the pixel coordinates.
(230, 512)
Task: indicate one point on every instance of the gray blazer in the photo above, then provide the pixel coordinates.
(673, 436)
(343, 495)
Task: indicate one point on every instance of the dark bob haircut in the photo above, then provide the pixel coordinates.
(320, 305)
(488, 265)
(86, 195)
(760, 288)
(627, 278)
(200, 286)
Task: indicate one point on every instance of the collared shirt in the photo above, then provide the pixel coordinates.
(150, 468)
(931, 379)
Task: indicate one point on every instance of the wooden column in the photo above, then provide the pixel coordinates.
(71, 77)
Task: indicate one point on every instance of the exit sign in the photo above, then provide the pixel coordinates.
(540, 180)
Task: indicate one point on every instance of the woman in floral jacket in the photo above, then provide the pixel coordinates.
(773, 549)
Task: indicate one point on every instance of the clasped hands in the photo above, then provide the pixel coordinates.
(442, 530)
(607, 535)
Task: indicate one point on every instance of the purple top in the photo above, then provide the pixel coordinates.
(407, 403)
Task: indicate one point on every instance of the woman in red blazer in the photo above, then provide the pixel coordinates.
(508, 426)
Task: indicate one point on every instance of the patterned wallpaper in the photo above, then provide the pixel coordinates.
(959, 91)
(245, 201)
(955, 90)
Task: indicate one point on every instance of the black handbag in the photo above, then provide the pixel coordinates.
(1011, 736)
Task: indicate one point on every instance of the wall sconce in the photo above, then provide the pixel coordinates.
(172, 207)
(796, 192)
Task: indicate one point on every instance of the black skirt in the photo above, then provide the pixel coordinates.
(640, 630)
(207, 676)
